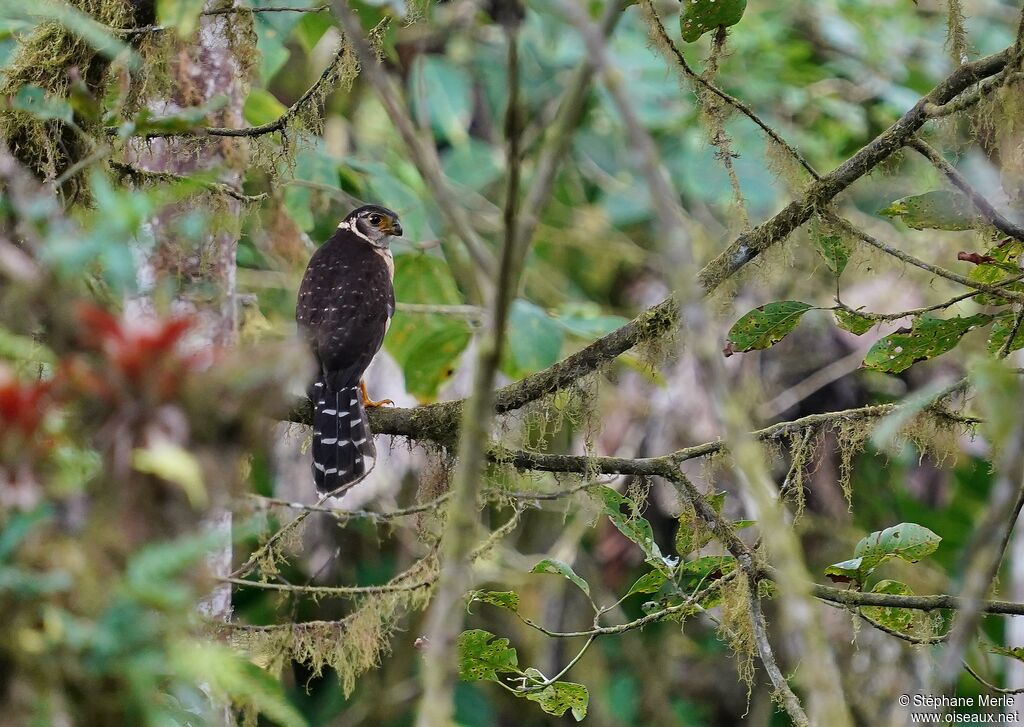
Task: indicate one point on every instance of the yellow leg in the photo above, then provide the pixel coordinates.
(367, 401)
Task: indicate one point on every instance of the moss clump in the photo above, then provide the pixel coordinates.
(51, 57)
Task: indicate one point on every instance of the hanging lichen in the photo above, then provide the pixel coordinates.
(802, 446)
(736, 628)
(350, 646)
(956, 33)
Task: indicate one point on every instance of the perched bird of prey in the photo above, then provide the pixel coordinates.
(346, 301)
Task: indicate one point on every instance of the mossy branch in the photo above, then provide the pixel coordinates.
(139, 176)
(323, 84)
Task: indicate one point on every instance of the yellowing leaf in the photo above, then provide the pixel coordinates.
(174, 464)
(941, 209)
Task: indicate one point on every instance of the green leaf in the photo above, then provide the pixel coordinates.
(474, 165)
(907, 541)
(900, 619)
(311, 165)
(833, 249)
(693, 533)
(765, 326)
(1001, 329)
(561, 696)
(1005, 258)
(633, 526)
(427, 347)
(996, 383)
(847, 571)
(80, 23)
(37, 102)
(184, 119)
(14, 347)
(508, 600)
(229, 675)
(703, 16)
(181, 14)
(445, 92)
(480, 658)
(853, 322)
(557, 567)
(18, 527)
(929, 337)
(534, 339)
(648, 583)
(431, 355)
(941, 209)
(698, 573)
(311, 28)
(262, 107)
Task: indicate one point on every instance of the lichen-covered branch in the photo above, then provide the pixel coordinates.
(138, 176)
(990, 213)
(820, 193)
(330, 76)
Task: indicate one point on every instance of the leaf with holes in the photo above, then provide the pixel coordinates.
(633, 526)
(699, 573)
(1002, 262)
(929, 337)
(940, 209)
(557, 567)
(703, 16)
(907, 541)
(854, 322)
(508, 600)
(765, 326)
(833, 249)
(1001, 329)
(899, 619)
(559, 697)
(481, 658)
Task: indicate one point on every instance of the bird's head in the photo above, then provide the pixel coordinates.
(376, 225)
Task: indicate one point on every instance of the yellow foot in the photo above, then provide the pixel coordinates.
(367, 401)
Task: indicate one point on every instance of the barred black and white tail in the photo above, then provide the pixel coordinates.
(342, 443)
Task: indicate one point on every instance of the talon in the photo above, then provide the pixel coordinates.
(367, 401)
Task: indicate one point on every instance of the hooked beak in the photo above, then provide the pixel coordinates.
(396, 229)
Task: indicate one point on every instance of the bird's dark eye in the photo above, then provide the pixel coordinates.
(376, 219)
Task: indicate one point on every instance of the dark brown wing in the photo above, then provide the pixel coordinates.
(345, 301)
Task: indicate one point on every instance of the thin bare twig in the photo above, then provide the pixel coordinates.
(990, 213)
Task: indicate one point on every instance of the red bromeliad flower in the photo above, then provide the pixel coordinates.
(141, 359)
(23, 405)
